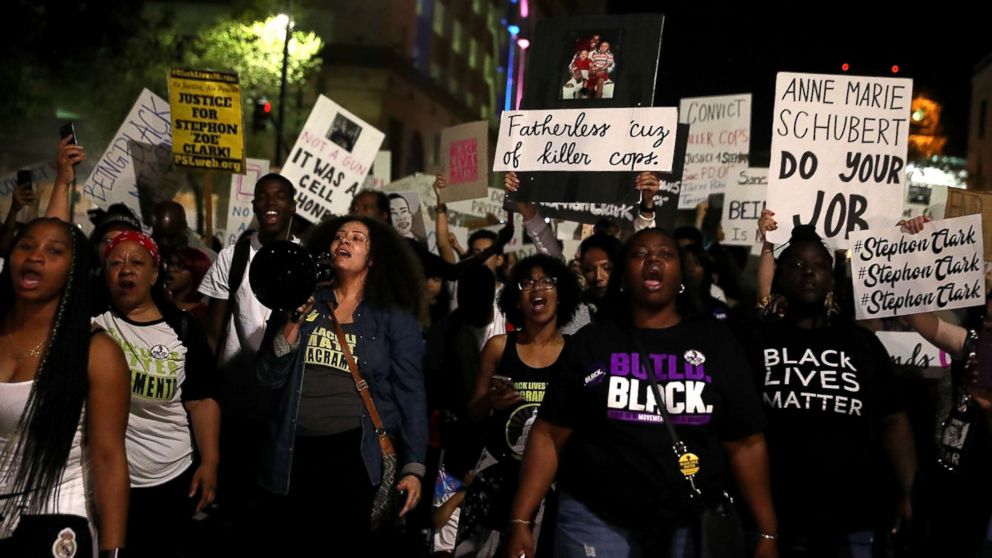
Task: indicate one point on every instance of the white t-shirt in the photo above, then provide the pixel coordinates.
(249, 319)
(159, 445)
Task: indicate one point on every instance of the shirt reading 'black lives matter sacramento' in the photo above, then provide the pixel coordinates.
(825, 392)
(329, 402)
(619, 459)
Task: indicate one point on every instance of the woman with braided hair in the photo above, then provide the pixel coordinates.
(63, 403)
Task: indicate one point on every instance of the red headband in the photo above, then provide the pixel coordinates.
(142, 239)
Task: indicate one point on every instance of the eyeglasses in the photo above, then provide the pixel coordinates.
(542, 284)
(353, 237)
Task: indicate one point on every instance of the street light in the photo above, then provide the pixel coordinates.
(283, 18)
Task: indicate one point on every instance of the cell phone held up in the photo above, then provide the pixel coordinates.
(24, 178)
(66, 130)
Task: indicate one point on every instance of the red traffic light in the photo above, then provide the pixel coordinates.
(895, 68)
(845, 66)
(267, 107)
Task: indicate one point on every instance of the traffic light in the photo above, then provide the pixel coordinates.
(260, 118)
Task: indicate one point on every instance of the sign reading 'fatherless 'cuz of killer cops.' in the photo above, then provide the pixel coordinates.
(897, 273)
(207, 123)
(581, 140)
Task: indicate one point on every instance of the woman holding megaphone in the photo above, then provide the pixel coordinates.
(348, 432)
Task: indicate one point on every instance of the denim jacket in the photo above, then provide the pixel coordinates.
(390, 357)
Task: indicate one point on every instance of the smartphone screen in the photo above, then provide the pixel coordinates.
(68, 129)
(24, 177)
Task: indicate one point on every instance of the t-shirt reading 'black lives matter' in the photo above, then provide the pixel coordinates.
(329, 402)
(825, 392)
(619, 460)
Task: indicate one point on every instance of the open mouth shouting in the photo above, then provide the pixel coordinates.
(653, 277)
(271, 217)
(29, 278)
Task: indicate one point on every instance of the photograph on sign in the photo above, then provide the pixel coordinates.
(838, 154)
(556, 75)
(207, 121)
(330, 160)
(590, 64)
(897, 273)
(113, 179)
(718, 146)
(584, 140)
(344, 132)
(465, 153)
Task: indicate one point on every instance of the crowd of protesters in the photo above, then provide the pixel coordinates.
(606, 403)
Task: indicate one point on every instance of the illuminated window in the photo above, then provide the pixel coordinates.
(477, 6)
(473, 54)
(488, 69)
(439, 18)
(456, 36)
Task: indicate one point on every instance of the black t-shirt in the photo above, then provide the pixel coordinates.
(507, 430)
(825, 392)
(619, 459)
(329, 402)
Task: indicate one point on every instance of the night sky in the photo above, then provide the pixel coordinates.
(712, 49)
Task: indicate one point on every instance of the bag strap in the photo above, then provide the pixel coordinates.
(687, 462)
(363, 387)
(239, 264)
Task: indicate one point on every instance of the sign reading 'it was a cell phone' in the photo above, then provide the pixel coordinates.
(207, 122)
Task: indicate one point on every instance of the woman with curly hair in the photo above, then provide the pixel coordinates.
(515, 370)
(63, 403)
(322, 451)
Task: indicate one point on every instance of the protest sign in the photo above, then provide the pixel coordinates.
(742, 205)
(239, 209)
(41, 173)
(719, 142)
(330, 160)
(465, 153)
(898, 273)
(207, 122)
(406, 215)
(908, 348)
(114, 178)
(381, 173)
(966, 202)
(615, 139)
(838, 153)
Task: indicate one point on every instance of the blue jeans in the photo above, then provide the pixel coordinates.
(582, 534)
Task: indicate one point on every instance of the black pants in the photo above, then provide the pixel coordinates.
(45, 536)
(159, 517)
(329, 501)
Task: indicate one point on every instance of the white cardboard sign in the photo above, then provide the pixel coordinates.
(838, 155)
(330, 160)
(613, 139)
(897, 273)
(718, 146)
(742, 205)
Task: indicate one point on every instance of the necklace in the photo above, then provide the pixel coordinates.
(19, 356)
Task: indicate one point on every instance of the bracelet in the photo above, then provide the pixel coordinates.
(521, 522)
(768, 537)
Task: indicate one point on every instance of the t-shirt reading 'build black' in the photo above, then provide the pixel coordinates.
(619, 460)
(825, 392)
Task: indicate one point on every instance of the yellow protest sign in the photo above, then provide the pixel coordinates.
(207, 122)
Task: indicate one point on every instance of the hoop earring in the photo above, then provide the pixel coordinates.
(681, 288)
